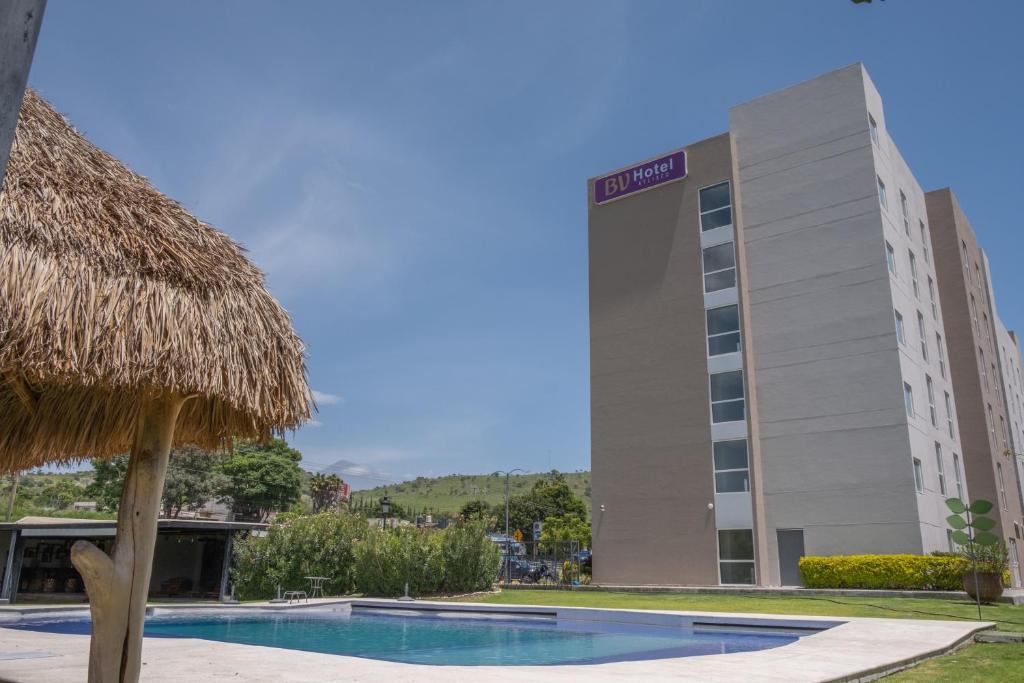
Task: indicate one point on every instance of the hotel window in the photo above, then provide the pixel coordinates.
(991, 423)
(727, 402)
(931, 401)
(732, 471)
(1002, 486)
(977, 273)
(723, 330)
(1002, 431)
(913, 274)
(906, 213)
(924, 242)
(719, 267)
(922, 335)
(715, 206)
(918, 476)
(984, 370)
(881, 194)
(890, 258)
(942, 355)
(908, 399)
(949, 414)
(967, 261)
(931, 297)
(938, 465)
(974, 315)
(956, 475)
(873, 129)
(901, 336)
(736, 555)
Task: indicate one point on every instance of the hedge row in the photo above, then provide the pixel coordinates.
(895, 572)
(357, 558)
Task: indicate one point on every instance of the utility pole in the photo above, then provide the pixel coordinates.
(19, 28)
(508, 578)
(15, 480)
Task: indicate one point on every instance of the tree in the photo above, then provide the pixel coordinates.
(262, 478)
(108, 481)
(193, 478)
(324, 490)
(550, 497)
(475, 509)
(564, 528)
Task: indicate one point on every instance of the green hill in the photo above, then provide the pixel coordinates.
(446, 495)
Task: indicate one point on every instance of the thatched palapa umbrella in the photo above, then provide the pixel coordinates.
(126, 324)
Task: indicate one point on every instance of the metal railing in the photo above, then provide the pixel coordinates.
(543, 564)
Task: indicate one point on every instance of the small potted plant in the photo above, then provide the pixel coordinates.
(985, 555)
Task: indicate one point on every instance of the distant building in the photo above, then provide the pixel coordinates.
(85, 505)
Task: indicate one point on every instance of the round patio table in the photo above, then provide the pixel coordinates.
(316, 585)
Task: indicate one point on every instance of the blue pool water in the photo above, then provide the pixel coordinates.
(424, 638)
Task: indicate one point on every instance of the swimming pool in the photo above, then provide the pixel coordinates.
(447, 638)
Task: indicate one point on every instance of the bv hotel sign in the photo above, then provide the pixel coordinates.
(640, 177)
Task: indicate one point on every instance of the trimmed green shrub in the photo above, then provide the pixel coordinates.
(470, 558)
(319, 545)
(895, 572)
(390, 558)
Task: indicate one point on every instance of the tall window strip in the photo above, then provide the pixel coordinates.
(732, 468)
(939, 468)
(942, 354)
(881, 194)
(957, 477)
(736, 556)
(924, 242)
(949, 414)
(931, 401)
(918, 476)
(906, 213)
(974, 314)
(967, 260)
(931, 298)
(890, 259)
(908, 399)
(984, 367)
(922, 335)
(901, 335)
(913, 274)
(1002, 486)
(991, 423)
(715, 206)
(873, 129)
(719, 267)
(723, 330)
(727, 399)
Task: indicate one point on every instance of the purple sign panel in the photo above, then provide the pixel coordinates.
(640, 177)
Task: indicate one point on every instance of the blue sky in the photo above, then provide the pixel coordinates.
(411, 176)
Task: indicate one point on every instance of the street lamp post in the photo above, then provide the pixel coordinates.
(508, 578)
(385, 508)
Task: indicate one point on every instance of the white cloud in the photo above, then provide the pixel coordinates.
(314, 424)
(322, 398)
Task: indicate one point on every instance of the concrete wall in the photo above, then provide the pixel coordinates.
(650, 414)
(834, 438)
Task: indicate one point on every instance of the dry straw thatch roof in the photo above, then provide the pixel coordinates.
(110, 291)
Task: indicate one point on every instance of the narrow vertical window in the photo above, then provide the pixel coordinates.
(931, 298)
(890, 258)
(922, 335)
(732, 470)
(974, 314)
(908, 399)
(736, 555)
(991, 423)
(901, 336)
(939, 467)
(906, 213)
(1002, 486)
(924, 242)
(949, 414)
(984, 367)
(715, 206)
(873, 129)
(942, 355)
(956, 475)
(931, 401)
(913, 274)
(719, 267)
(881, 194)
(918, 476)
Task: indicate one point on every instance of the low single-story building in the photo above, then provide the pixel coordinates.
(192, 557)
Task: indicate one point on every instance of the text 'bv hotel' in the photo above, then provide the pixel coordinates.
(795, 350)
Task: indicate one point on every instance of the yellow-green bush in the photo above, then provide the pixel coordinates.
(895, 572)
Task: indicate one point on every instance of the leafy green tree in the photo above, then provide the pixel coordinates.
(324, 490)
(475, 509)
(193, 479)
(262, 478)
(563, 528)
(108, 481)
(550, 497)
(57, 493)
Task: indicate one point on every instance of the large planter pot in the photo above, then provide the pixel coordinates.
(989, 586)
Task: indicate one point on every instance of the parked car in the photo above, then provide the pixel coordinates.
(582, 556)
(520, 570)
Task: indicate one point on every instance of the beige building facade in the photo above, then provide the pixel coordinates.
(771, 372)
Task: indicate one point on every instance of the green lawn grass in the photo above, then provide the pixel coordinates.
(980, 662)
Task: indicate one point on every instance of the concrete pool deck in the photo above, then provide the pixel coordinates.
(856, 649)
